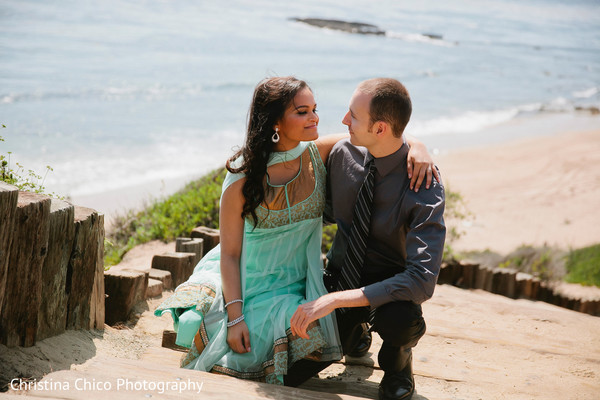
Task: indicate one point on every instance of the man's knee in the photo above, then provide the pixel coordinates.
(303, 370)
(400, 323)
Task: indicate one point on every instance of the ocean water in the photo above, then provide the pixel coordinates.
(113, 94)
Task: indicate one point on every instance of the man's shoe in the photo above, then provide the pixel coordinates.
(363, 345)
(398, 385)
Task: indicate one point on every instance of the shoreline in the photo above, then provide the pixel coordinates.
(522, 182)
(118, 202)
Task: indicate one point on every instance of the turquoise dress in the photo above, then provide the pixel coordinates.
(281, 268)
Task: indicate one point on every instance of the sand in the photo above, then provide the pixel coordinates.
(478, 345)
(537, 191)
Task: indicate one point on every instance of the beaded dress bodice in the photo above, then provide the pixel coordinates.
(303, 197)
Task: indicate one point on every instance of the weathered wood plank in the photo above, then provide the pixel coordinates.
(212, 237)
(29, 245)
(163, 276)
(133, 379)
(125, 288)
(81, 273)
(180, 265)
(52, 318)
(8, 208)
(24, 397)
(168, 341)
(188, 245)
(97, 307)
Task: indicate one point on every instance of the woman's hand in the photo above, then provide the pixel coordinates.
(238, 337)
(420, 165)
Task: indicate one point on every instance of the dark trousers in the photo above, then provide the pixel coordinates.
(400, 324)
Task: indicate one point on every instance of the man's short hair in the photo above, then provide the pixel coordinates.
(390, 103)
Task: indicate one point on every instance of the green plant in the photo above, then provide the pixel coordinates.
(329, 232)
(26, 180)
(454, 213)
(545, 263)
(583, 266)
(197, 204)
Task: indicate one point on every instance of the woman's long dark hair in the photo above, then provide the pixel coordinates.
(272, 97)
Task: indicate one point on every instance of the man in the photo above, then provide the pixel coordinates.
(386, 255)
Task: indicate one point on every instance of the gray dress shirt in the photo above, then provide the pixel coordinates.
(407, 233)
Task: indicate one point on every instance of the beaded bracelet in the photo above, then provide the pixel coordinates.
(234, 301)
(235, 321)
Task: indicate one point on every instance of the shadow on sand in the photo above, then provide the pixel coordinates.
(29, 364)
(353, 381)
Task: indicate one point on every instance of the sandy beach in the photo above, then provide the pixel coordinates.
(534, 191)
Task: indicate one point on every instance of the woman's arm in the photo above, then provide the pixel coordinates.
(232, 235)
(419, 164)
(326, 143)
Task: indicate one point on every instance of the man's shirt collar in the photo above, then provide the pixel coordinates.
(386, 164)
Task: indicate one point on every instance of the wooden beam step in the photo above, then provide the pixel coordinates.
(115, 379)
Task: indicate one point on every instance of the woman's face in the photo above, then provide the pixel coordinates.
(299, 123)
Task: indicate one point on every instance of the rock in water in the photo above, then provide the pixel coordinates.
(433, 36)
(351, 27)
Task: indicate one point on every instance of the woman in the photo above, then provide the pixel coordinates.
(234, 311)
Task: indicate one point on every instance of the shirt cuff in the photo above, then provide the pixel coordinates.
(376, 294)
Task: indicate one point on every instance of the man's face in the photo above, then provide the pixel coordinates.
(358, 120)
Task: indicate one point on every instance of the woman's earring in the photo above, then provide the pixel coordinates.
(275, 137)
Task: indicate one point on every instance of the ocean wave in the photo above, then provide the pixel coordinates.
(473, 121)
(157, 92)
(111, 93)
(89, 174)
(586, 94)
(421, 38)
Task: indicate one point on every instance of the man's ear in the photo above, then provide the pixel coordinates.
(381, 128)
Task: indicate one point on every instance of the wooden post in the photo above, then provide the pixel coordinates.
(53, 307)
(125, 288)
(211, 237)
(8, 210)
(81, 273)
(19, 314)
(97, 307)
(163, 276)
(469, 271)
(187, 245)
(180, 265)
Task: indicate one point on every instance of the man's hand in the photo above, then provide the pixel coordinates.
(420, 165)
(238, 338)
(309, 312)
(313, 310)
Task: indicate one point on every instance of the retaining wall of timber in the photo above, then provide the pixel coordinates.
(51, 267)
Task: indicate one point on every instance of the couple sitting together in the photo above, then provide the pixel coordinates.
(260, 306)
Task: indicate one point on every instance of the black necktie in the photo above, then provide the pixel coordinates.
(350, 275)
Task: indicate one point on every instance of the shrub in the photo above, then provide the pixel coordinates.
(197, 204)
(583, 266)
(546, 263)
(454, 213)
